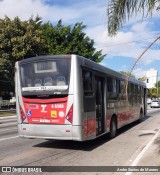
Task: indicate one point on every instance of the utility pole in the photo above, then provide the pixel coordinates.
(126, 84)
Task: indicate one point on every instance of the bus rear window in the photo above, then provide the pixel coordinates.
(46, 75)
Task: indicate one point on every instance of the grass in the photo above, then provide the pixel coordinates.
(7, 113)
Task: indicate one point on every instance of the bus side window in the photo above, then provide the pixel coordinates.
(109, 84)
(114, 83)
(87, 82)
(113, 87)
(136, 94)
(122, 89)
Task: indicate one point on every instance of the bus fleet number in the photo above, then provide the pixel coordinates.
(57, 106)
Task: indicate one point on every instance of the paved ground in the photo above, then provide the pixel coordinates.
(150, 154)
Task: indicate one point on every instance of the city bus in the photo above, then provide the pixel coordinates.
(69, 97)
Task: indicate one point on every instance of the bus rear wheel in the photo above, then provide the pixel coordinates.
(113, 128)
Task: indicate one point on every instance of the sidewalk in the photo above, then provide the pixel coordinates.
(151, 157)
(150, 154)
(148, 157)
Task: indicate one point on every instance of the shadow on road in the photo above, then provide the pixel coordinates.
(131, 125)
(86, 145)
(75, 145)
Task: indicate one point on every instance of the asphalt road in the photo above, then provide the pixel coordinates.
(120, 151)
(8, 127)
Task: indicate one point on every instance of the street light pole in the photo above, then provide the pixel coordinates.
(126, 84)
(39, 21)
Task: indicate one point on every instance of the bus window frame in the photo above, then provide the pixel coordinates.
(91, 91)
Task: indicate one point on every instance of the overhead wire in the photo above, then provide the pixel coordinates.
(130, 42)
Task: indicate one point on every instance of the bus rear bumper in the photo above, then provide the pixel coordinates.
(57, 132)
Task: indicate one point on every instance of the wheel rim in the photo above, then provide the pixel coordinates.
(113, 128)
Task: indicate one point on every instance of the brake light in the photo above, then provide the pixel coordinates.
(69, 116)
(23, 117)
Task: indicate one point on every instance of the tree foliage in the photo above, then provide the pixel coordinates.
(22, 39)
(119, 11)
(17, 39)
(127, 73)
(157, 84)
(142, 79)
(70, 40)
(153, 91)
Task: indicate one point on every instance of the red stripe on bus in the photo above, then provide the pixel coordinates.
(53, 100)
(89, 127)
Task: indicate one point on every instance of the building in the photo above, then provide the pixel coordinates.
(151, 78)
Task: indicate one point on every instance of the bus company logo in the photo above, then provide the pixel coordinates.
(43, 109)
(54, 114)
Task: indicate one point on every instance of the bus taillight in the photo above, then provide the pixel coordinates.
(69, 116)
(23, 117)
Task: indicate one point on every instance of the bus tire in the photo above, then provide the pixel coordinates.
(113, 128)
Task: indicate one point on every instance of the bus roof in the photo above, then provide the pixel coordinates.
(101, 68)
(43, 57)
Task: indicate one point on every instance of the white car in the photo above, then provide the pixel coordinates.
(155, 104)
(12, 101)
(149, 101)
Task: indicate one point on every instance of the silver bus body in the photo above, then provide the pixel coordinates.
(81, 110)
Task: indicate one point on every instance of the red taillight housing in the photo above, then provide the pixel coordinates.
(23, 116)
(69, 116)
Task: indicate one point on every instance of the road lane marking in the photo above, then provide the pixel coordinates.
(8, 129)
(8, 117)
(140, 155)
(8, 138)
(4, 110)
(10, 120)
(8, 124)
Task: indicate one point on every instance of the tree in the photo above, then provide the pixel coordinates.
(142, 79)
(153, 91)
(127, 74)
(62, 39)
(22, 39)
(158, 83)
(121, 10)
(17, 40)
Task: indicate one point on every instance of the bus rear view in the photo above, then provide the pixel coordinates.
(69, 97)
(45, 97)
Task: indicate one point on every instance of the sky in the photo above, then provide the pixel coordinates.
(122, 50)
